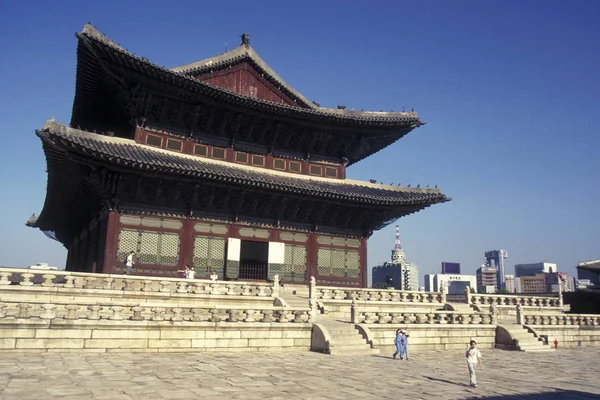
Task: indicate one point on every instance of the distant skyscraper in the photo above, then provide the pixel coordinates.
(497, 259)
(535, 268)
(404, 275)
(453, 283)
(487, 279)
(450, 268)
(509, 281)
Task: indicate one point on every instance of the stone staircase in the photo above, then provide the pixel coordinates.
(345, 339)
(526, 340)
(295, 300)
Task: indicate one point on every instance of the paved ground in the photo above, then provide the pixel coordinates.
(565, 374)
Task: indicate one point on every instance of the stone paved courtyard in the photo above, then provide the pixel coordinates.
(565, 374)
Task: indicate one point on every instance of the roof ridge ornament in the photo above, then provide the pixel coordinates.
(246, 39)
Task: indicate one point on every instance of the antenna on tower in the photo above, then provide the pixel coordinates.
(397, 245)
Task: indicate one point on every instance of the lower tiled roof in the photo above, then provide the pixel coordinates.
(127, 153)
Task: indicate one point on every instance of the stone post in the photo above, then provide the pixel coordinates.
(48, 280)
(354, 313)
(69, 281)
(493, 314)
(94, 312)
(560, 294)
(443, 294)
(26, 279)
(276, 286)
(116, 315)
(137, 313)
(4, 278)
(468, 294)
(48, 311)
(71, 311)
(520, 315)
(312, 299)
(23, 310)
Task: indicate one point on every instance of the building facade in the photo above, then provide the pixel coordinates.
(486, 279)
(402, 274)
(497, 259)
(509, 281)
(535, 268)
(450, 268)
(452, 283)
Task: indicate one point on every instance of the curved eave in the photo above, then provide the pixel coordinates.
(127, 154)
(105, 50)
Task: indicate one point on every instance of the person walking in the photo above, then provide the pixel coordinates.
(129, 263)
(404, 344)
(473, 359)
(398, 343)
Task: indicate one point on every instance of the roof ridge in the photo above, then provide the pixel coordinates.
(237, 54)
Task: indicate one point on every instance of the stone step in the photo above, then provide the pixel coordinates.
(341, 347)
(354, 352)
(537, 350)
(350, 340)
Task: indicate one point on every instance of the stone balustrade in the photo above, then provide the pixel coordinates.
(400, 318)
(80, 280)
(114, 312)
(383, 295)
(513, 300)
(564, 319)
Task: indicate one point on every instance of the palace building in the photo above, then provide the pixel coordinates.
(220, 164)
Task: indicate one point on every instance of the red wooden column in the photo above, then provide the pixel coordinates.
(186, 250)
(112, 243)
(312, 256)
(363, 263)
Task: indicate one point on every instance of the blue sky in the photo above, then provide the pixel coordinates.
(510, 90)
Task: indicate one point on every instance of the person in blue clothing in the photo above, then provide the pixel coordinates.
(398, 343)
(403, 344)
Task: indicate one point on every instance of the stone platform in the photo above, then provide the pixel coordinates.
(564, 374)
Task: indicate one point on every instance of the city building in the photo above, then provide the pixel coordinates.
(219, 163)
(450, 268)
(398, 273)
(589, 270)
(534, 283)
(453, 283)
(497, 259)
(42, 266)
(583, 283)
(543, 282)
(509, 282)
(486, 279)
(535, 268)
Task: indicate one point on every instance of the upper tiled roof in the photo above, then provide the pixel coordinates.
(593, 265)
(127, 153)
(180, 76)
(242, 53)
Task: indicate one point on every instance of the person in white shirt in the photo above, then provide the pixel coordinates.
(473, 359)
(129, 263)
(214, 276)
(191, 273)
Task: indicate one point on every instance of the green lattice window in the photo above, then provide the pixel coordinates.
(336, 262)
(294, 268)
(209, 255)
(150, 247)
